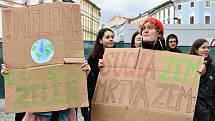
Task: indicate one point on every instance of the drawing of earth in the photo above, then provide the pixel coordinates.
(42, 51)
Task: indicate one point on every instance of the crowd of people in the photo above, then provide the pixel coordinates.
(149, 36)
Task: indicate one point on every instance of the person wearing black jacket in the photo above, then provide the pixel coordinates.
(205, 105)
(105, 39)
(171, 43)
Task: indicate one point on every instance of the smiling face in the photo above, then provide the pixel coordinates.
(107, 40)
(149, 32)
(203, 50)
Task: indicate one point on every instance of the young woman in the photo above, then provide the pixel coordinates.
(136, 40)
(171, 43)
(104, 39)
(205, 105)
(152, 31)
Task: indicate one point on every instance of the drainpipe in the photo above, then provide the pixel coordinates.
(174, 18)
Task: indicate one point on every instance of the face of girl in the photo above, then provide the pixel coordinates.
(149, 32)
(138, 41)
(108, 40)
(203, 50)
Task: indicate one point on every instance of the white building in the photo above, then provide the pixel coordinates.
(164, 12)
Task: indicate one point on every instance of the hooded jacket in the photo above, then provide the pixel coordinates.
(172, 49)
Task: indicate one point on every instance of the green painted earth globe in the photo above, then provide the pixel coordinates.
(42, 51)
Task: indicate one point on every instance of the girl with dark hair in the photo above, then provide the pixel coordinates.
(136, 40)
(205, 105)
(105, 39)
(152, 33)
(171, 43)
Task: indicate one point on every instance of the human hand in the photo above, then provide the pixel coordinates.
(101, 63)
(4, 69)
(202, 68)
(86, 67)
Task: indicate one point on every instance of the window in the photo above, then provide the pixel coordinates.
(207, 19)
(168, 21)
(168, 12)
(191, 4)
(191, 19)
(207, 4)
(179, 7)
(179, 21)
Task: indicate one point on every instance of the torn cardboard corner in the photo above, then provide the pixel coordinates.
(74, 60)
(38, 42)
(146, 85)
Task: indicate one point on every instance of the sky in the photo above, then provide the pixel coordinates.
(125, 8)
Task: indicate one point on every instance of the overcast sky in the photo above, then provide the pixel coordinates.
(125, 8)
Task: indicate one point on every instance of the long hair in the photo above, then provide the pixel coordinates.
(98, 49)
(133, 39)
(196, 45)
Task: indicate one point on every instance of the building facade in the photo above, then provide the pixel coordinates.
(139, 19)
(90, 16)
(164, 12)
(115, 21)
(195, 11)
(124, 32)
(187, 34)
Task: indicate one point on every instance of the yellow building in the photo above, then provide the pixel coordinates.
(90, 15)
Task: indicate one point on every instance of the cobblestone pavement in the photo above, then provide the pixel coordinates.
(11, 116)
(3, 115)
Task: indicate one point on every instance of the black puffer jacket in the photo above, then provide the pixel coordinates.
(205, 105)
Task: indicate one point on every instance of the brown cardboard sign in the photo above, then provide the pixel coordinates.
(146, 85)
(37, 43)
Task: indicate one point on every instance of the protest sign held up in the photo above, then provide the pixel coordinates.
(39, 44)
(146, 85)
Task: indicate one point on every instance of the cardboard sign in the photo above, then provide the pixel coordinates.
(37, 42)
(146, 85)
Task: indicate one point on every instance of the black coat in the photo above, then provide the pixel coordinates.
(92, 77)
(205, 105)
(177, 50)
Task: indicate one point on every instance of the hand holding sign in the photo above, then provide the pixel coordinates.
(4, 69)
